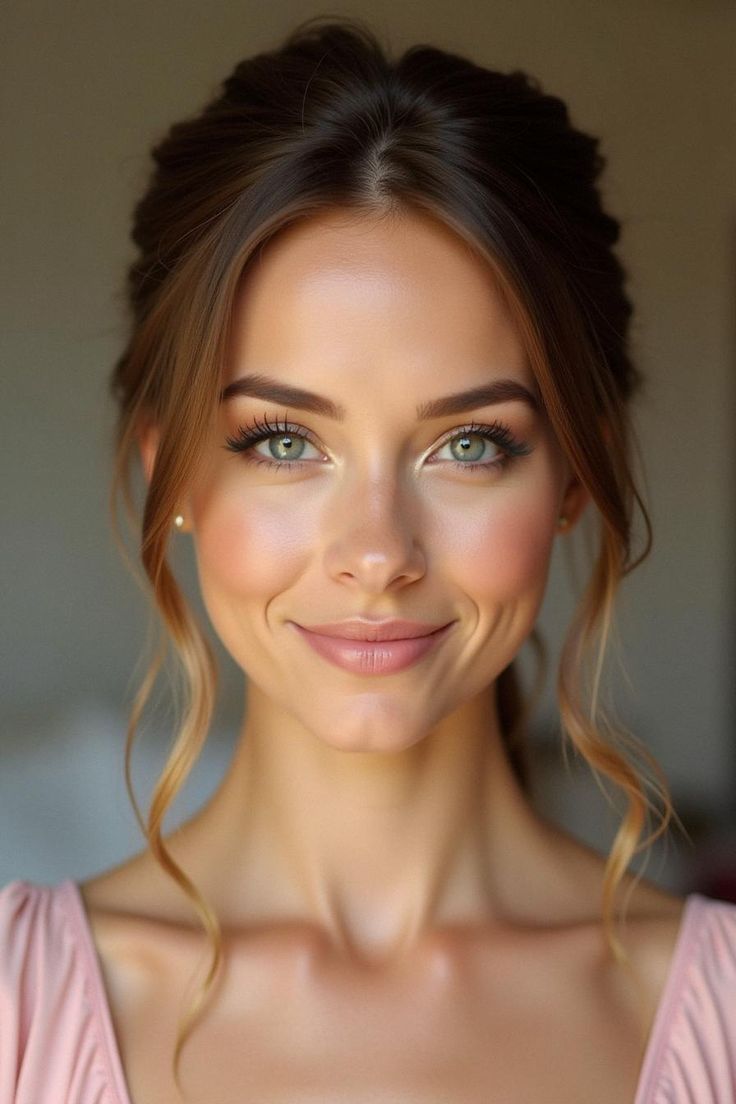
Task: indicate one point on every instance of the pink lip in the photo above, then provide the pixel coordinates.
(373, 657)
(362, 628)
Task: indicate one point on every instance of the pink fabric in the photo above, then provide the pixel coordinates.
(58, 1046)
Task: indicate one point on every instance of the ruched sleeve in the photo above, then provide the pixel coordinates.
(53, 1044)
(691, 1057)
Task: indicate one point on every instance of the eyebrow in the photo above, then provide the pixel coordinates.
(263, 387)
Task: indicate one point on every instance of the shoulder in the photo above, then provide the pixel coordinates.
(18, 896)
(693, 1049)
(37, 935)
(31, 923)
(709, 956)
(45, 1009)
(704, 964)
(143, 929)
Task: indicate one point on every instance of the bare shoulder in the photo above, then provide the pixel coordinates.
(652, 914)
(138, 893)
(149, 945)
(135, 888)
(573, 941)
(145, 926)
(138, 917)
(654, 924)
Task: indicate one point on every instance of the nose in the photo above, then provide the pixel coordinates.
(371, 538)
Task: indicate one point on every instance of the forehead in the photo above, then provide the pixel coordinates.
(398, 292)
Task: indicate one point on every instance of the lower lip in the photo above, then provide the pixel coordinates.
(373, 657)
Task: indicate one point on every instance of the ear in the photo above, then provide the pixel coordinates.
(148, 441)
(148, 438)
(576, 496)
(574, 501)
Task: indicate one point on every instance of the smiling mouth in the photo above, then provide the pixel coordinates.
(358, 628)
(373, 657)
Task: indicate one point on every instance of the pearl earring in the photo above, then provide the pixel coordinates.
(178, 521)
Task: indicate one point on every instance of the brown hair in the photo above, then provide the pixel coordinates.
(329, 119)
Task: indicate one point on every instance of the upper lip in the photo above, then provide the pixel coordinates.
(362, 629)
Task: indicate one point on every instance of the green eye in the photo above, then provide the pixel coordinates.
(285, 446)
(288, 445)
(465, 444)
(287, 442)
(498, 434)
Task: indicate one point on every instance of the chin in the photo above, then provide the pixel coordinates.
(372, 726)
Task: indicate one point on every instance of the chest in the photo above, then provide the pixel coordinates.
(284, 1029)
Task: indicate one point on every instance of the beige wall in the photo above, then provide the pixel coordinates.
(89, 85)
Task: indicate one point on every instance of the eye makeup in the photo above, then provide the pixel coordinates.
(247, 437)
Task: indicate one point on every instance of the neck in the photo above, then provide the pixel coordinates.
(375, 848)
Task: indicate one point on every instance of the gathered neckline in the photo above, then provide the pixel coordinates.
(653, 1054)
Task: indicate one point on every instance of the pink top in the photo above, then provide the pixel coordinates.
(58, 1046)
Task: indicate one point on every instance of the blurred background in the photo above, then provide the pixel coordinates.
(88, 87)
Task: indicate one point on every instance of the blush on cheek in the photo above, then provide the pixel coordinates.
(250, 550)
(505, 551)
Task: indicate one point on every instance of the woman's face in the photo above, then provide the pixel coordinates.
(385, 510)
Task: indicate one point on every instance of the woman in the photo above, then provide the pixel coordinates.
(378, 365)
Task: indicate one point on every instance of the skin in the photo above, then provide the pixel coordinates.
(374, 821)
(420, 820)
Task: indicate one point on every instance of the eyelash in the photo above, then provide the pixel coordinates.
(246, 437)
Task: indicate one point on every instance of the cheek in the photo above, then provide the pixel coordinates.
(250, 546)
(256, 544)
(504, 552)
